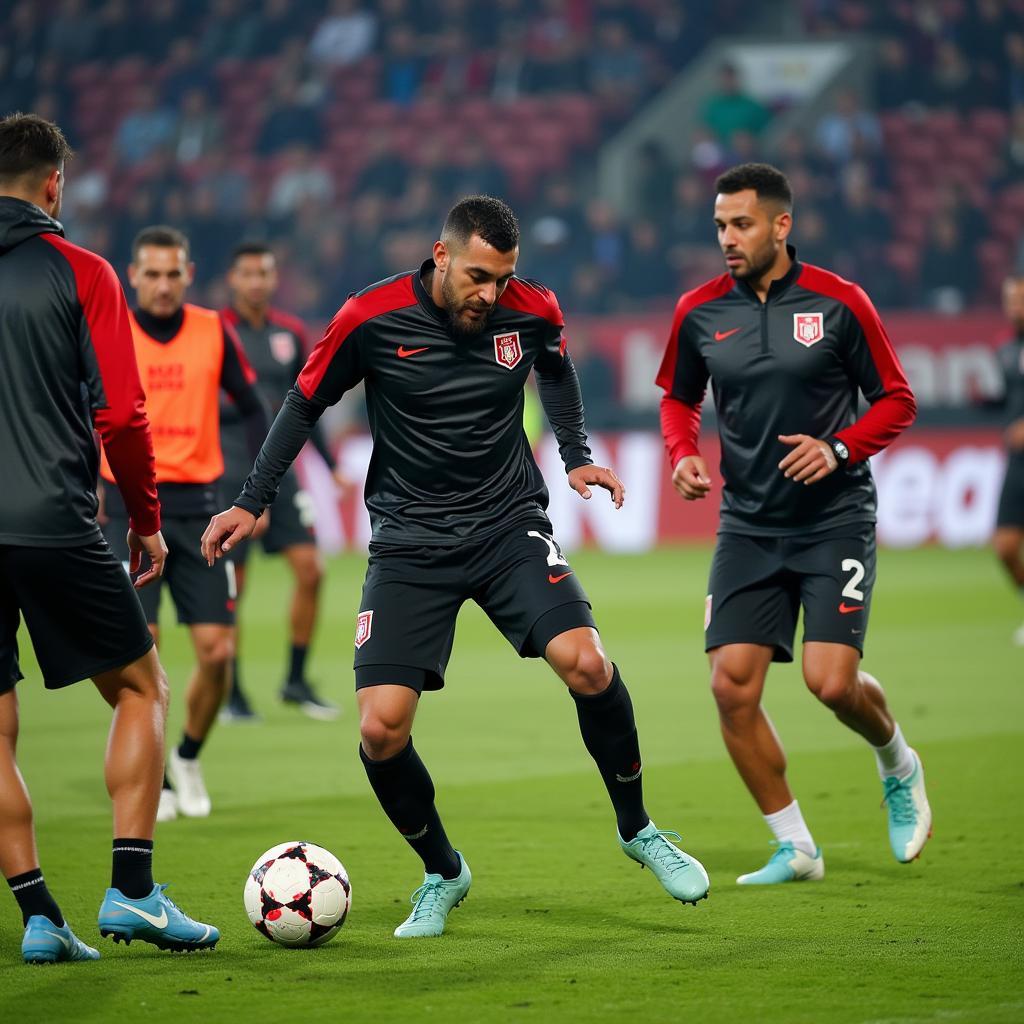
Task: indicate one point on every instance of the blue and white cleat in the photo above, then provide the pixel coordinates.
(787, 864)
(431, 903)
(155, 919)
(683, 876)
(910, 815)
(46, 943)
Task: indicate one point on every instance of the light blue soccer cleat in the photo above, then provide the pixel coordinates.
(683, 876)
(787, 864)
(910, 815)
(46, 943)
(431, 903)
(155, 919)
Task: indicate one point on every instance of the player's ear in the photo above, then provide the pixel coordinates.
(53, 185)
(783, 225)
(190, 274)
(133, 275)
(441, 256)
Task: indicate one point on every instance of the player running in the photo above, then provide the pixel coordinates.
(1008, 538)
(275, 345)
(787, 347)
(457, 506)
(67, 366)
(186, 356)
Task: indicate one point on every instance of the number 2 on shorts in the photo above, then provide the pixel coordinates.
(554, 554)
(851, 590)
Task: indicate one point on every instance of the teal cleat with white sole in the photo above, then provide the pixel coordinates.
(154, 919)
(431, 903)
(787, 864)
(46, 943)
(682, 876)
(910, 815)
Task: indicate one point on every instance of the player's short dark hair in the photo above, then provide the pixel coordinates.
(250, 248)
(490, 218)
(767, 181)
(162, 236)
(30, 145)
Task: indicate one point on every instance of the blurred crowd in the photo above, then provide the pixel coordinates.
(185, 143)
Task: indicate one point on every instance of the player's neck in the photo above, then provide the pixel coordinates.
(255, 315)
(778, 270)
(432, 286)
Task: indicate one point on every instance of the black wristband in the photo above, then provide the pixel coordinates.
(839, 450)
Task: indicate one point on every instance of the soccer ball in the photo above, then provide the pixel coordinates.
(298, 894)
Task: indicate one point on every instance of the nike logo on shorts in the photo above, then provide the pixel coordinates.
(558, 579)
(404, 353)
(156, 922)
(845, 609)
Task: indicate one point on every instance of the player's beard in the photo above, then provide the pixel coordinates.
(758, 264)
(459, 324)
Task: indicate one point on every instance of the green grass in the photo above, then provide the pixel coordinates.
(559, 925)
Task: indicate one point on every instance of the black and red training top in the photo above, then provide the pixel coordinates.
(791, 365)
(67, 364)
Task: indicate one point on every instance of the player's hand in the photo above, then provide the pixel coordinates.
(342, 481)
(261, 527)
(153, 546)
(599, 476)
(101, 508)
(690, 478)
(226, 529)
(810, 460)
(1015, 435)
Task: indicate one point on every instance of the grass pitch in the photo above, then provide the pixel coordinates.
(559, 926)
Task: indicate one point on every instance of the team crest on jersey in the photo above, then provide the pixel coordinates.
(282, 346)
(364, 627)
(507, 349)
(808, 328)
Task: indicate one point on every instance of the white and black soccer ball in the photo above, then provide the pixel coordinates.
(298, 894)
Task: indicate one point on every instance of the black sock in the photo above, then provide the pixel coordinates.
(404, 789)
(297, 663)
(167, 782)
(189, 748)
(236, 678)
(34, 898)
(132, 870)
(609, 734)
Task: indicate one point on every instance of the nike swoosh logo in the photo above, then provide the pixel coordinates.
(404, 353)
(845, 609)
(63, 941)
(558, 579)
(156, 922)
(722, 335)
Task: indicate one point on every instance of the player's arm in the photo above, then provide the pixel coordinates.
(318, 439)
(238, 379)
(558, 386)
(333, 367)
(683, 377)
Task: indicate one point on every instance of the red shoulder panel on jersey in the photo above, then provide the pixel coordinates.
(533, 298)
(895, 411)
(288, 322)
(392, 295)
(689, 301)
(230, 316)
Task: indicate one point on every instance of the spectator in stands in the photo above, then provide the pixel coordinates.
(199, 129)
(385, 172)
(1015, 68)
(812, 238)
(617, 70)
(896, 83)
(402, 67)
(654, 177)
(948, 277)
(229, 31)
(551, 255)
(646, 274)
(346, 34)
(276, 21)
(157, 24)
(117, 32)
(598, 381)
(560, 67)
(587, 289)
(222, 175)
(476, 173)
(688, 220)
(417, 208)
(510, 76)
(952, 84)
(848, 129)
(290, 121)
(71, 35)
(730, 109)
(185, 70)
(148, 128)
(299, 179)
(707, 155)
(456, 68)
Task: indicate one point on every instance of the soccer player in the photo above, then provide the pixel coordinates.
(186, 355)
(275, 345)
(67, 366)
(787, 346)
(1009, 534)
(458, 511)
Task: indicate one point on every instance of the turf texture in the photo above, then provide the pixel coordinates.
(559, 926)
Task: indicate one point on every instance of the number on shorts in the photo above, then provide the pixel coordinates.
(851, 589)
(554, 554)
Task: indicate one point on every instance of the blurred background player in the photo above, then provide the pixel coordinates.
(1009, 534)
(67, 365)
(186, 355)
(275, 345)
(788, 346)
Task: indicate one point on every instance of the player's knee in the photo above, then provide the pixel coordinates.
(309, 574)
(215, 653)
(382, 736)
(1006, 545)
(834, 689)
(732, 688)
(588, 670)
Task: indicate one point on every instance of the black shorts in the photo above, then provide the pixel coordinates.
(1011, 499)
(292, 516)
(202, 595)
(758, 584)
(80, 609)
(412, 596)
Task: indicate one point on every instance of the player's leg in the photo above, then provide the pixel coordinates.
(237, 707)
(1008, 543)
(836, 587)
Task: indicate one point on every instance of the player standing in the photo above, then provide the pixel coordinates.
(457, 505)
(275, 345)
(1008, 538)
(186, 355)
(67, 365)
(787, 346)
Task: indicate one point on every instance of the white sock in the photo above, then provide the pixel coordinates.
(895, 758)
(788, 826)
